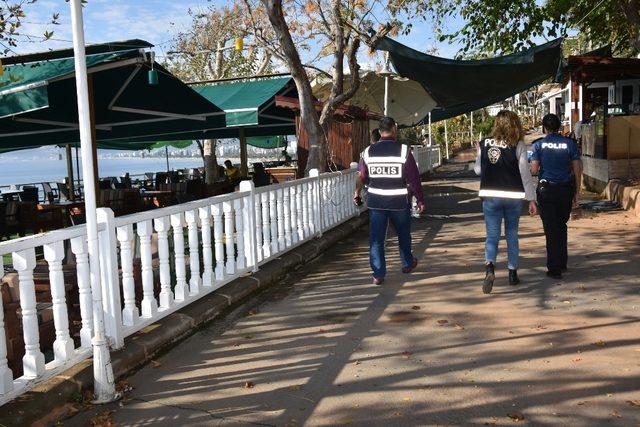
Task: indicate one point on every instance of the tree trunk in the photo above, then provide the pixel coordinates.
(210, 161)
(308, 114)
(631, 10)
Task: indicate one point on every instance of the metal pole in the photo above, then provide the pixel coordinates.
(166, 153)
(104, 386)
(472, 128)
(386, 84)
(78, 165)
(429, 128)
(70, 182)
(446, 139)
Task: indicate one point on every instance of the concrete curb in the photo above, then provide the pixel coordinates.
(628, 197)
(46, 401)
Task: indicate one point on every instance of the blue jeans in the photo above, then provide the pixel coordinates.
(378, 222)
(495, 210)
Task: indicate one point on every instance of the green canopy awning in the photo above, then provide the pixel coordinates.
(38, 102)
(268, 141)
(244, 101)
(459, 87)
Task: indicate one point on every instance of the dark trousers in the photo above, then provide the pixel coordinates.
(555, 202)
(378, 222)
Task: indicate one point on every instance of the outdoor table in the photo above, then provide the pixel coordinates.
(8, 195)
(62, 210)
(159, 198)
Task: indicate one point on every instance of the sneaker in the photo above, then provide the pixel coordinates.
(513, 277)
(489, 277)
(409, 269)
(554, 274)
(378, 281)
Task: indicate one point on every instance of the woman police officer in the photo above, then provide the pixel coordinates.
(555, 159)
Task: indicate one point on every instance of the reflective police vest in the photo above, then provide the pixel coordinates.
(500, 176)
(387, 185)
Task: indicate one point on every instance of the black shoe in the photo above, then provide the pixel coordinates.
(490, 276)
(554, 274)
(513, 277)
(564, 269)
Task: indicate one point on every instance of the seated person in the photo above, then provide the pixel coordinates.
(287, 158)
(231, 171)
(260, 176)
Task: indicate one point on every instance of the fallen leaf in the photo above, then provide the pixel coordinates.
(102, 420)
(155, 363)
(566, 302)
(600, 343)
(322, 331)
(253, 312)
(406, 399)
(492, 422)
(249, 384)
(541, 327)
(406, 353)
(443, 321)
(517, 416)
(581, 403)
(415, 307)
(511, 332)
(295, 387)
(577, 359)
(635, 403)
(458, 326)
(615, 413)
(357, 362)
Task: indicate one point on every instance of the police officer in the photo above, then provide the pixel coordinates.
(388, 168)
(556, 160)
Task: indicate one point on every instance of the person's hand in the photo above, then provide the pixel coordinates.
(533, 208)
(420, 208)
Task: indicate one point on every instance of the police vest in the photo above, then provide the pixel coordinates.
(387, 185)
(500, 176)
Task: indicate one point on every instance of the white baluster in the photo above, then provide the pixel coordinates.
(33, 361)
(305, 209)
(180, 290)
(259, 229)
(273, 215)
(241, 260)
(286, 205)
(63, 348)
(281, 232)
(207, 254)
(218, 236)
(194, 255)
(130, 313)
(299, 213)
(79, 249)
(266, 226)
(166, 294)
(230, 266)
(6, 376)
(149, 304)
(294, 215)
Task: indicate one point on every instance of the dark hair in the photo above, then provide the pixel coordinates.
(386, 124)
(375, 136)
(551, 122)
(228, 162)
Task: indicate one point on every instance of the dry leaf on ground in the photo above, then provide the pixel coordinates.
(458, 326)
(102, 420)
(415, 307)
(635, 403)
(155, 363)
(516, 416)
(249, 384)
(443, 321)
(600, 343)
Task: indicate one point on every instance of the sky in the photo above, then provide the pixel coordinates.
(156, 21)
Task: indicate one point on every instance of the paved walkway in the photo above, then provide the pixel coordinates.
(329, 348)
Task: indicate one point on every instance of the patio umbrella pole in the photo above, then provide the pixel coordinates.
(104, 387)
(70, 182)
(166, 153)
(78, 164)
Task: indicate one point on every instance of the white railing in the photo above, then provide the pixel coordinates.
(201, 246)
(427, 158)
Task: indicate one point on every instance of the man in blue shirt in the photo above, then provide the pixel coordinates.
(556, 160)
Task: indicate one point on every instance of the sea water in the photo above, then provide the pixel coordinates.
(16, 170)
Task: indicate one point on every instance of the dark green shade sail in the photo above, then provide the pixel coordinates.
(39, 103)
(459, 86)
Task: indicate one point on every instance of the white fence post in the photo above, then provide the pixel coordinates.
(109, 277)
(63, 348)
(149, 305)
(162, 225)
(181, 291)
(6, 376)
(130, 312)
(251, 229)
(316, 208)
(218, 233)
(81, 252)
(33, 361)
(195, 280)
(207, 253)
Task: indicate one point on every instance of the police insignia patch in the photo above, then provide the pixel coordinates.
(494, 155)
